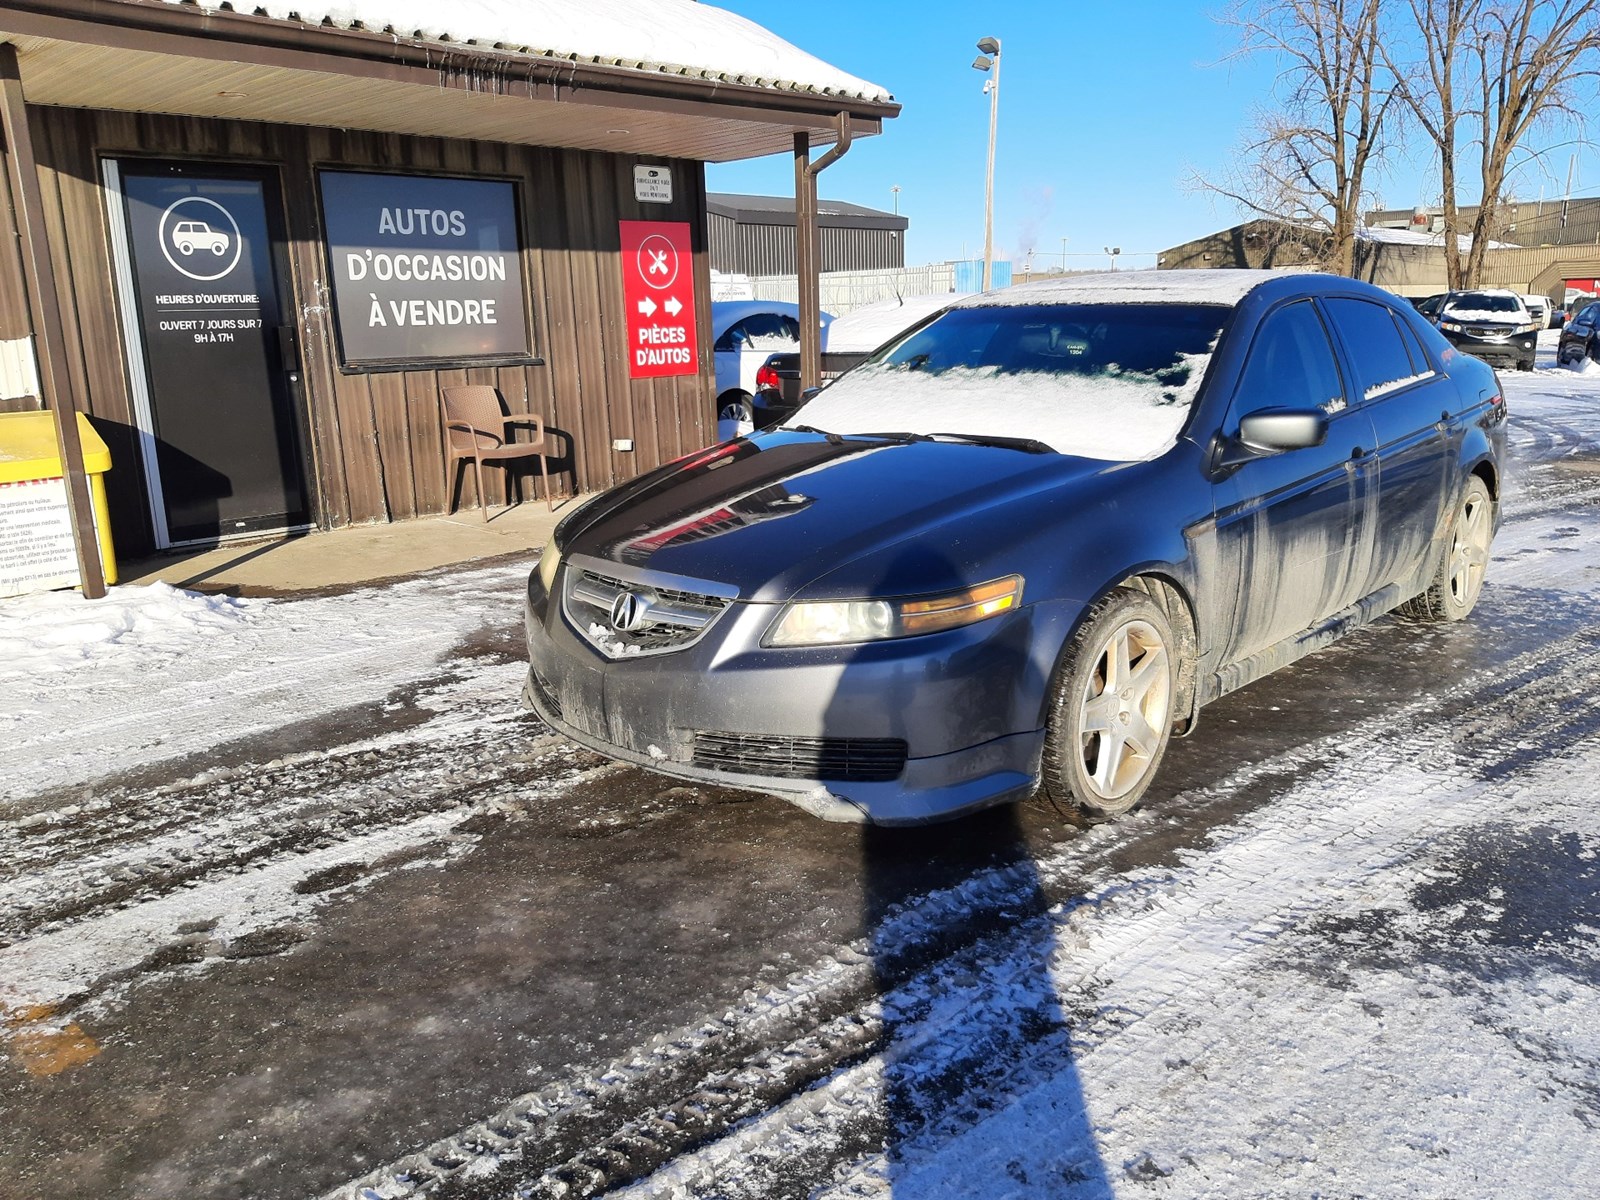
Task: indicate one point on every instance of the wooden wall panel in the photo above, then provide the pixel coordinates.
(373, 439)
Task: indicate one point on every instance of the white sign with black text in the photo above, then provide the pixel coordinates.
(652, 185)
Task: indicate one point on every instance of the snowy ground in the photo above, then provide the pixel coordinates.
(1351, 951)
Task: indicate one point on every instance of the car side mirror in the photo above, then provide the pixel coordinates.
(1274, 431)
(808, 393)
(1278, 430)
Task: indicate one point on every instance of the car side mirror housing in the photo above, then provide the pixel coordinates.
(1278, 430)
(808, 393)
(1274, 431)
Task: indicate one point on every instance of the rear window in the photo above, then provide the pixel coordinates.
(1373, 341)
(1466, 304)
(1107, 381)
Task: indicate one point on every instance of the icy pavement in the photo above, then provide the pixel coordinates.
(369, 923)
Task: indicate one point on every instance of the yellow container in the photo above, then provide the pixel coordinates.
(29, 453)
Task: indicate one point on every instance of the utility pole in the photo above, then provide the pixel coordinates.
(989, 59)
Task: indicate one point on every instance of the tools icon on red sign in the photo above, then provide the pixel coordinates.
(658, 261)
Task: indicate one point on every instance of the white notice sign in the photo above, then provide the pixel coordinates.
(652, 185)
(37, 553)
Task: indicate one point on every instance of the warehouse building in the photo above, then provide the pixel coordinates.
(755, 235)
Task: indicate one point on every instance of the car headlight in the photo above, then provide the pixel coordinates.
(1450, 326)
(831, 622)
(1533, 327)
(549, 563)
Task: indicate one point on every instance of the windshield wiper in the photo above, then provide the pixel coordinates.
(1027, 445)
(898, 435)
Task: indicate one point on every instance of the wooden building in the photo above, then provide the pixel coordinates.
(271, 241)
(755, 235)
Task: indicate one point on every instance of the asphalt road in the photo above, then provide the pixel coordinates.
(508, 967)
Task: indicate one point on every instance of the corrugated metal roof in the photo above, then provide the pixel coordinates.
(675, 37)
(779, 210)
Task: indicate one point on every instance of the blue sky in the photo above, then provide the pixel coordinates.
(1104, 112)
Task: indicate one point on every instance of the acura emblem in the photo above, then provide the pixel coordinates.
(630, 612)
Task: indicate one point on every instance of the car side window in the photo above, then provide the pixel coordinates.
(1419, 358)
(1291, 365)
(733, 338)
(1377, 351)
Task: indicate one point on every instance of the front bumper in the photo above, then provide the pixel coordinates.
(1498, 348)
(966, 705)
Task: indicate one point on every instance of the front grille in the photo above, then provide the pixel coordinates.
(852, 760)
(668, 618)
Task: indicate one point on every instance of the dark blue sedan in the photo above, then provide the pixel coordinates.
(1024, 543)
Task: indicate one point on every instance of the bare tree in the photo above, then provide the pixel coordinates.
(1431, 91)
(1530, 55)
(1308, 157)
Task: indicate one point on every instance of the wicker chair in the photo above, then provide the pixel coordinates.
(476, 427)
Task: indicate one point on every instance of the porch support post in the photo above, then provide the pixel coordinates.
(44, 305)
(808, 246)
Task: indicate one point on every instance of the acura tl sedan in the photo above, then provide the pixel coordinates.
(1019, 548)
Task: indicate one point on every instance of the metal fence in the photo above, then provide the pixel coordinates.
(843, 291)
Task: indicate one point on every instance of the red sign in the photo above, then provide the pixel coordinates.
(658, 288)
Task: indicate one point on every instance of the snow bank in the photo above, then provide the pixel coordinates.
(670, 36)
(92, 688)
(58, 631)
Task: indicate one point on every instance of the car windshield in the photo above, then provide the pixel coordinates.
(1484, 304)
(1104, 381)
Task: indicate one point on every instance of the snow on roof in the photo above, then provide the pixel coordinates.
(1420, 237)
(1221, 286)
(679, 37)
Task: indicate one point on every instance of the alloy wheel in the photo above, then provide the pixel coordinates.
(1469, 549)
(1125, 709)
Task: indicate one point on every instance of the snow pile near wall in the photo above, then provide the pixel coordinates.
(670, 36)
(58, 631)
(91, 688)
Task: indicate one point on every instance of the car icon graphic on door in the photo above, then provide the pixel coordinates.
(190, 236)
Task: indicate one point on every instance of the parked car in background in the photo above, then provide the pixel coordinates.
(1490, 324)
(1540, 309)
(1020, 547)
(1580, 337)
(745, 333)
(849, 340)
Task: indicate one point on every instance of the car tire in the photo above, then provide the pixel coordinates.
(185, 248)
(1524, 364)
(1459, 578)
(735, 406)
(1090, 760)
(218, 248)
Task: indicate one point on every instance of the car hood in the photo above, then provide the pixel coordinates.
(776, 512)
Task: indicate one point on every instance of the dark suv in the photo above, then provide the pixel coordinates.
(1493, 325)
(1021, 546)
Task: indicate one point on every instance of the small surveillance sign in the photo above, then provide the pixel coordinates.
(652, 185)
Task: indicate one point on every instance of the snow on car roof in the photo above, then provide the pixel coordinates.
(1221, 286)
(679, 37)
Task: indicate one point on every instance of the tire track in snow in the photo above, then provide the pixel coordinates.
(818, 1041)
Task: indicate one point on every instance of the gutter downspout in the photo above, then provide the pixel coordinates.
(808, 247)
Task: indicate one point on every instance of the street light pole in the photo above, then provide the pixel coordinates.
(895, 188)
(989, 59)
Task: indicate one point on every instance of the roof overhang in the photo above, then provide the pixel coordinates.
(138, 56)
